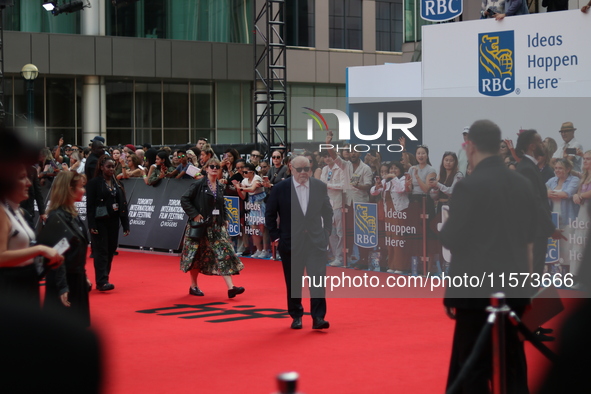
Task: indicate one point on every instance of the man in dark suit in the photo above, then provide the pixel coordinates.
(529, 146)
(305, 217)
(490, 231)
(97, 149)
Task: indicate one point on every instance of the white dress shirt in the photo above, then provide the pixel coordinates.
(303, 193)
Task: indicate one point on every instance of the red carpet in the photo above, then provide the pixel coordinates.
(220, 345)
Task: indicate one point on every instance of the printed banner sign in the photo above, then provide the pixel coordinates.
(553, 252)
(233, 208)
(496, 56)
(441, 10)
(365, 225)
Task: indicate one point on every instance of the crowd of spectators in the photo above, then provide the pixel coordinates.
(399, 188)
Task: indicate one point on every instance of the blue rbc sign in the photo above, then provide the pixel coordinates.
(553, 251)
(441, 10)
(365, 224)
(233, 208)
(496, 58)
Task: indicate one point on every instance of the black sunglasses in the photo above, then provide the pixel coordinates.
(276, 157)
(214, 166)
(180, 156)
(300, 169)
(246, 172)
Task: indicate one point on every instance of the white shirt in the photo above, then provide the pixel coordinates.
(577, 160)
(335, 180)
(303, 193)
(362, 175)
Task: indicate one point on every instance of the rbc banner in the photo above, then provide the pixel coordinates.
(553, 251)
(496, 74)
(233, 207)
(440, 10)
(366, 224)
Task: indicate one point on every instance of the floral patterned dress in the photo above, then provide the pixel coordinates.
(212, 255)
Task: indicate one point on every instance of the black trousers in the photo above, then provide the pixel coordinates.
(104, 245)
(294, 264)
(469, 323)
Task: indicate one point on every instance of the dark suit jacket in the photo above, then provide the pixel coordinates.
(491, 222)
(311, 230)
(528, 169)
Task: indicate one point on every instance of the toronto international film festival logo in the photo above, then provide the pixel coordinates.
(496, 73)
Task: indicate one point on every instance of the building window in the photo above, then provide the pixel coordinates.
(413, 21)
(206, 20)
(299, 19)
(389, 25)
(29, 16)
(345, 24)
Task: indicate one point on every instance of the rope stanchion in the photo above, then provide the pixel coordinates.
(530, 336)
(478, 348)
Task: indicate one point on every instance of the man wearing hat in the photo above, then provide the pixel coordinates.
(97, 149)
(98, 138)
(462, 158)
(567, 131)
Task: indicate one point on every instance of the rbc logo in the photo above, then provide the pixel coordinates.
(366, 224)
(496, 74)
(441, 10)
(233, 209)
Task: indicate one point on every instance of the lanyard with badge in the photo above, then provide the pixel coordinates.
(215, 193)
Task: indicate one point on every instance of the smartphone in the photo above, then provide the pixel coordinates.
(490, 12)
(123, 155)
(571, 151)
(265, 179)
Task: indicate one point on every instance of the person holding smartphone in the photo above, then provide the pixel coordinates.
(571, 148)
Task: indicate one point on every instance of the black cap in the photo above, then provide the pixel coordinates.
(98, 138)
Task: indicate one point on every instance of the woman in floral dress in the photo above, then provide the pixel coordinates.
(213, 254)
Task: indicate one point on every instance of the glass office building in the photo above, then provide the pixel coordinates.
(171, 71)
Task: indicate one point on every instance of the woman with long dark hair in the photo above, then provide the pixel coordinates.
(449, 176)
(106, 208)
(213, 253)
(67, 286)
(161, 169)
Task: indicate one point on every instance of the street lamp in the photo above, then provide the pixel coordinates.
(30, 73)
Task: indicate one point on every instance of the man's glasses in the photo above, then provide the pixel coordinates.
(245, 172)
(329, 176)
(214, 166)
(256, 155)
(300, 169)
(180, 156)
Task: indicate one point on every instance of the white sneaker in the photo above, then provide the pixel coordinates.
(257, 254)
(265, 254)
(277, 256)
(336, 263)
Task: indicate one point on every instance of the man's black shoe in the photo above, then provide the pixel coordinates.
(296, 324)
(105, 287)
(319, 323)
(195, 291)
(234, 291)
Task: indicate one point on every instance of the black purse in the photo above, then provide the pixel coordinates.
(198, 230)
(101, 212)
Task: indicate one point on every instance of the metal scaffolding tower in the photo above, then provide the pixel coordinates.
(270, 80)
